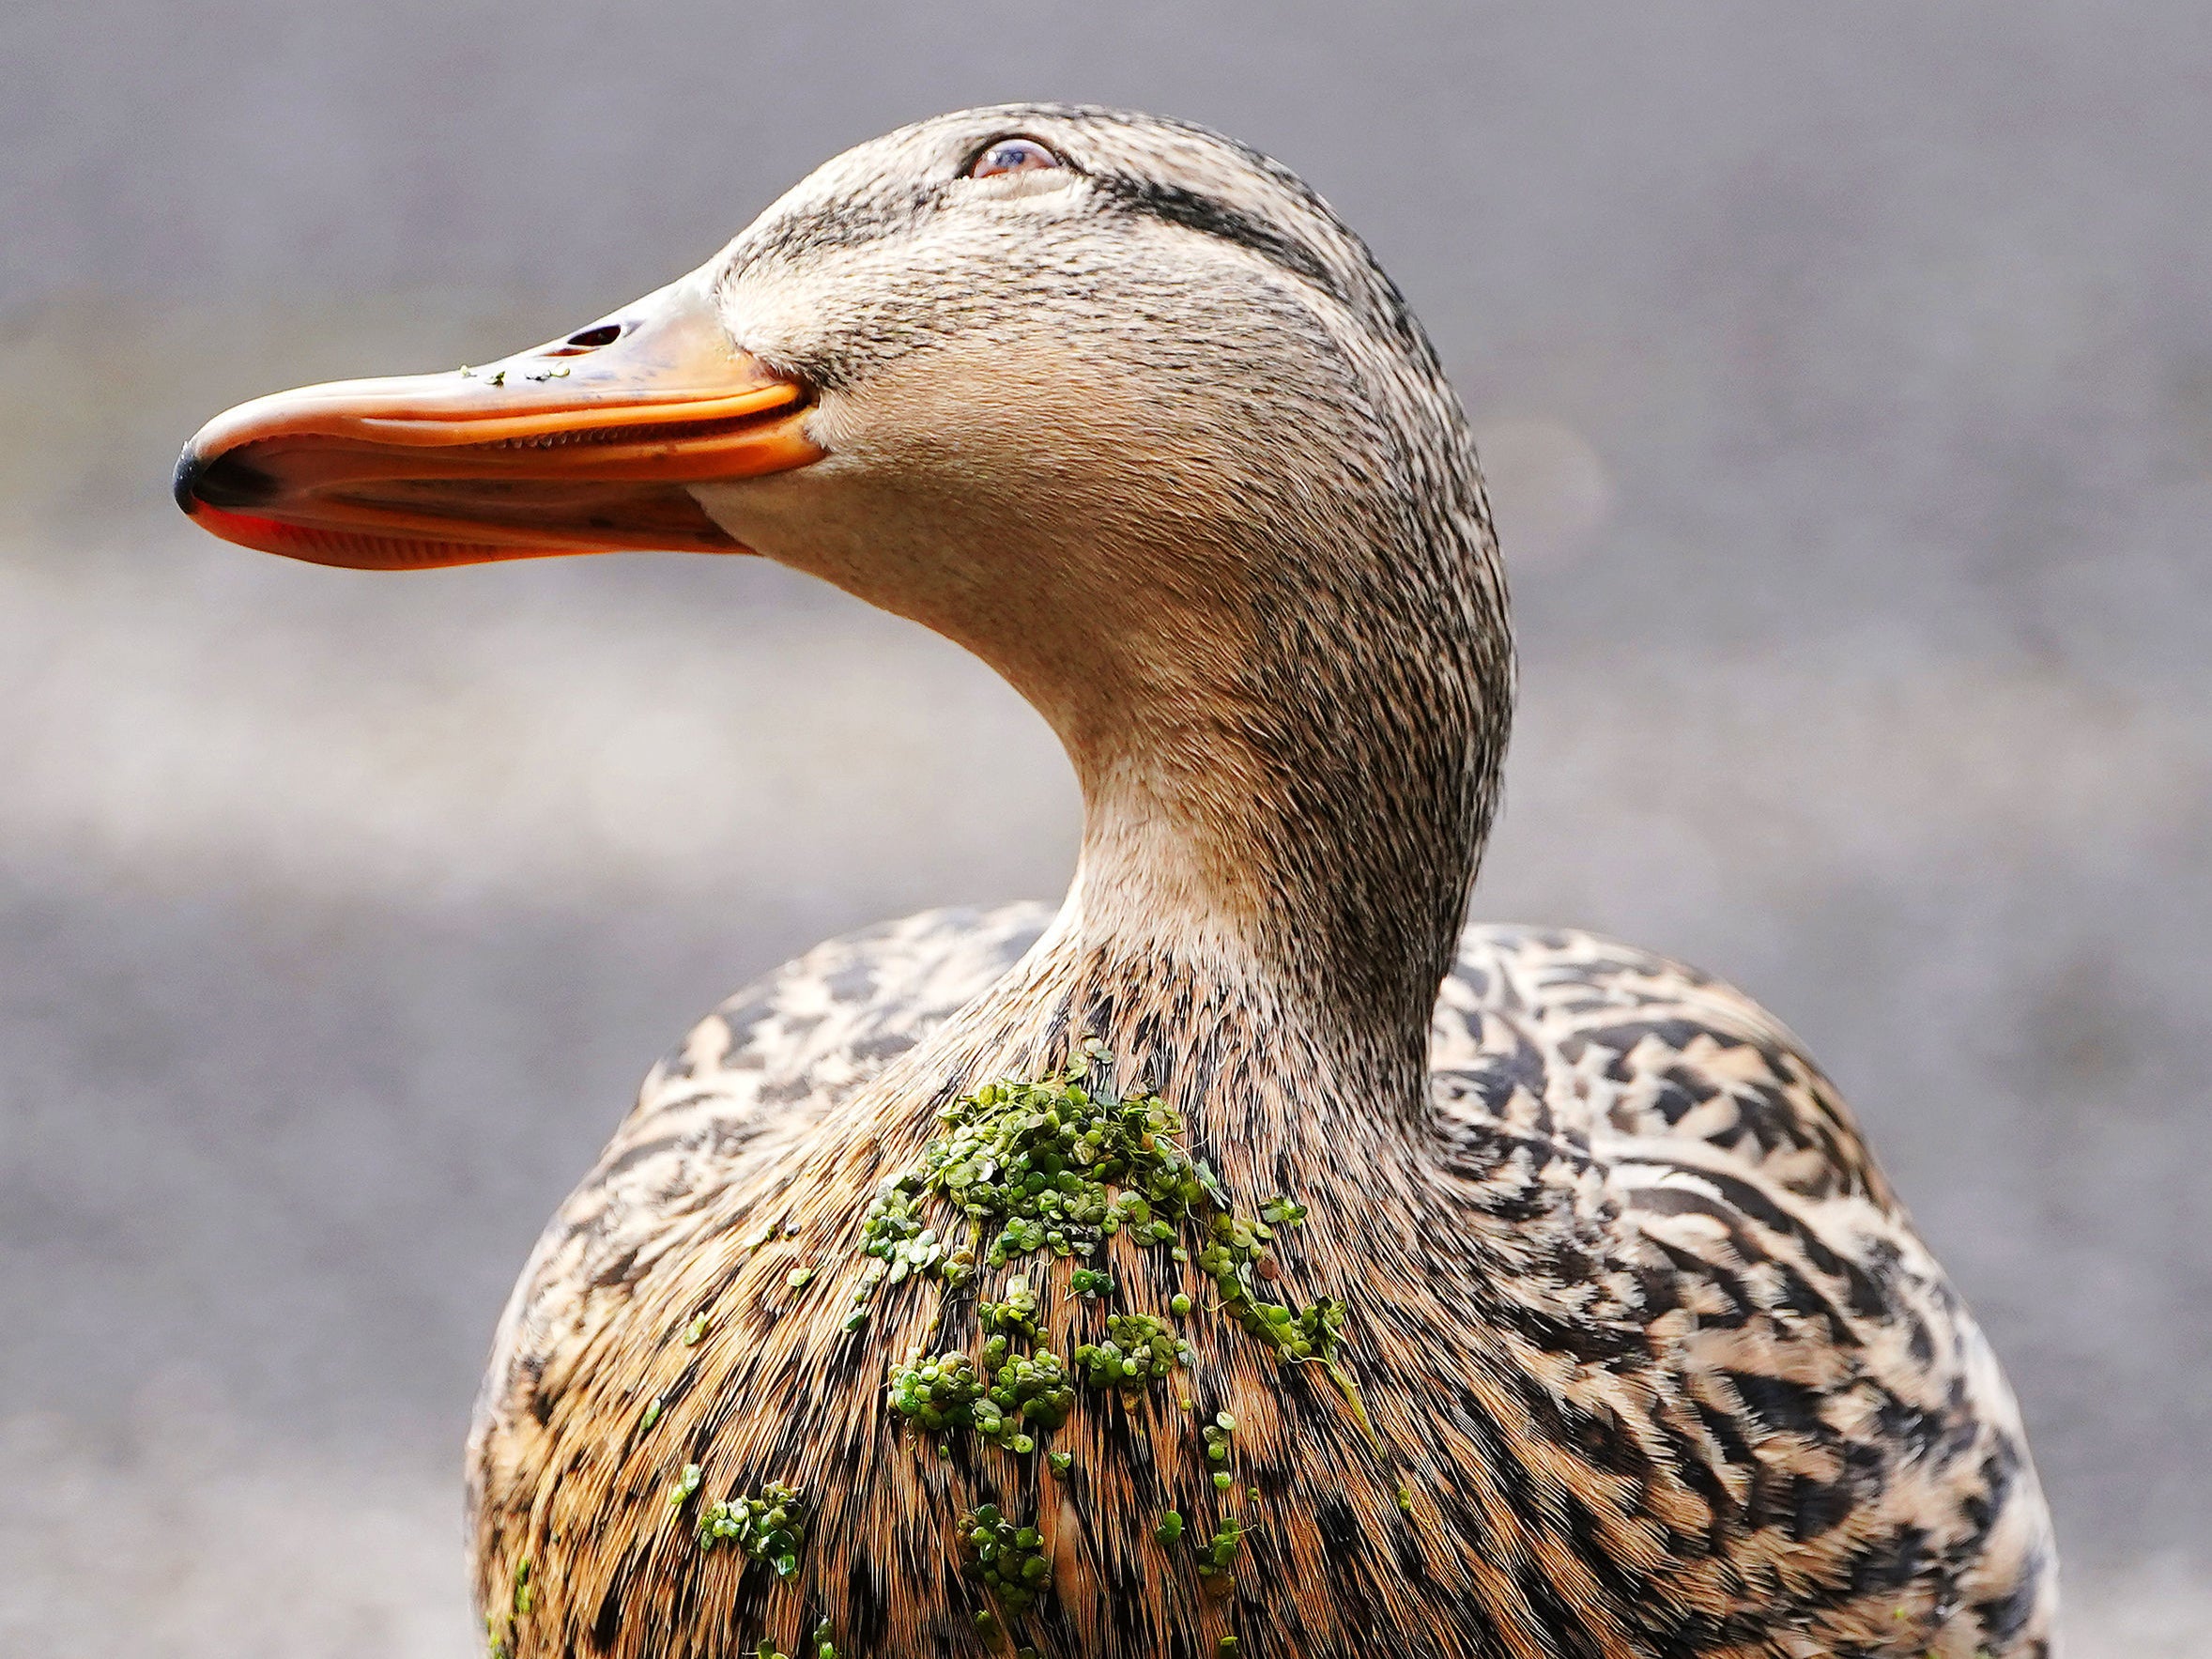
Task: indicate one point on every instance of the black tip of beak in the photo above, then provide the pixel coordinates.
(219, 480)
(192, 466)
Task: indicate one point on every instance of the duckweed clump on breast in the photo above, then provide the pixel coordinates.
(1016, 1315)
(1009, 1559)
(1307, 1335)
(1036, 1386)
(1037, 1160)
(1218, 1453)
(1138, 1352)
(768, 1527)
(1000, 1400)
(938, 1393)
(1218, 1555)
(1216, 1435)
(1055, 1165)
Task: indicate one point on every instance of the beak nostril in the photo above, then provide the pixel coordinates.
(602, 334)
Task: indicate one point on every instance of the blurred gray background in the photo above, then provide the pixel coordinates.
(1845, 376)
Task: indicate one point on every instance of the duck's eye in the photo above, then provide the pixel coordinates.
(1012, 155)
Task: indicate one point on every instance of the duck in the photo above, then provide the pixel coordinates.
(1249, 1256)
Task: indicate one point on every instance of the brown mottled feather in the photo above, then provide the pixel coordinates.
(1642, 1329)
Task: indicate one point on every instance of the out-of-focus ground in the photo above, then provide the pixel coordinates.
(1845, 377)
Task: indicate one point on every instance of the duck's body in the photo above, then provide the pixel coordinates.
(1601, 1336)
(1672, 1374)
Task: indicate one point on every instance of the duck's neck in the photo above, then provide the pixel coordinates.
(1274, 867)
(1283, 671)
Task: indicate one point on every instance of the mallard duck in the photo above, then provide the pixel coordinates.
(1246, 1257)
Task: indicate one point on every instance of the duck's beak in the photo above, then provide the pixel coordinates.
(584, 445)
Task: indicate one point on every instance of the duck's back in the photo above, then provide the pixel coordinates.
(1818, 1391)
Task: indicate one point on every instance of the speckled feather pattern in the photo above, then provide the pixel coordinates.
(1646, 1342)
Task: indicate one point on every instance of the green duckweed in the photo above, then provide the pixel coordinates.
(1002, 1400)
(768, 1527)
(1060, 1168)
(1219, 1555)
(686, 1483)
(1009, 1559)
(1016, 1316)
(1048, 1165)
(1137, 1351)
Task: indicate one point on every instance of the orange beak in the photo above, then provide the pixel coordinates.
(585, 445)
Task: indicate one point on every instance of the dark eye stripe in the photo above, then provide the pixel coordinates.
(1381, 301)
(1215, 218)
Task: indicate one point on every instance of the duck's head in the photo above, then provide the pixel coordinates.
(1115, 402)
